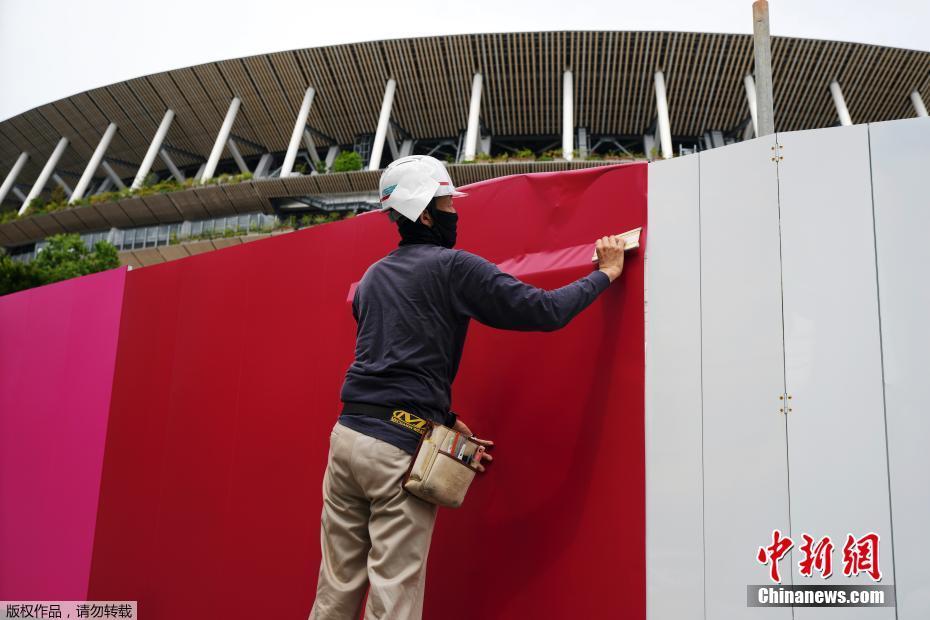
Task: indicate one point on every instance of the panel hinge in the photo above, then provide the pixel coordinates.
(785, 399)
(777, 153)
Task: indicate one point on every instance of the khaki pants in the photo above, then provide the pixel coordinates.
(372, 533)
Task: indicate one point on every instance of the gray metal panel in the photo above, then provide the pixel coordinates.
(745, 467)
(214, 200)
(91, 217)
(136, 211)
(69, 221)
(47, 224)
(900, 161)
(674, 509)
(162, 208)
(189, 205)
(836, 431)
(115, 216)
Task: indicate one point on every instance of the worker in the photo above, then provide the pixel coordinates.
(412, 310)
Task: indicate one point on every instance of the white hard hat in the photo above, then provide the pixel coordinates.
(409, 183)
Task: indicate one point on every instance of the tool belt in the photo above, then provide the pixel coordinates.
(395, 415)
(443, 466)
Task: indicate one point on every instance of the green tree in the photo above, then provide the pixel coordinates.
(66, 256)
(347, 161)
(17, 276)
(57, 198)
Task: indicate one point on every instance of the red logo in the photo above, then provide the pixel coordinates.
(773, 553)
(817, 557)
(859, 556)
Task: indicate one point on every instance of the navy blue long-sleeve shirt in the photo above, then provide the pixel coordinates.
(413, 309)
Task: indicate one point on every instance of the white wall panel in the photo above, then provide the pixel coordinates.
(674, 522)
(836, 429)
(745, 468)
(900, 164)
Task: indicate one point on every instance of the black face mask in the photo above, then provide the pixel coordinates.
(444, 224)
(443, 231)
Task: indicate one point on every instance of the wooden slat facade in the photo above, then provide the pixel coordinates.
(613, 91)
(246, 197)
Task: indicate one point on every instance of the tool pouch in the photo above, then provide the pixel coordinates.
(441, 469)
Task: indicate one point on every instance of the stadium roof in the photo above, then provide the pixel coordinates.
(613, 91)
(76, 53)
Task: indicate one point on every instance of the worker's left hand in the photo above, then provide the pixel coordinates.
(486, 444)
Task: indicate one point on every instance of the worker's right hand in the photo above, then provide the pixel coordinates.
(485, 444)
(482, 454)
(610, 256)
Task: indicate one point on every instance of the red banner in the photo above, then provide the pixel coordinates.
(227, 380)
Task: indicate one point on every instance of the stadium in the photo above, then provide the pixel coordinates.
(198, 158)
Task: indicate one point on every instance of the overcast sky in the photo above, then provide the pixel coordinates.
(50, 49)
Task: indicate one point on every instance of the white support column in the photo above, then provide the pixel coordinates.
(384, 119)
(221, 139)
(918, 102)
(310, 145)
(750, 85)
(392, 142)
(47, 170)
(331, 156)
(841, 110)
(568, 115)
(104, 185)
(10, 180)
(662, 122)
(300, 126)
(175, 171)
(237, 155)
(112, 174)
(474, 113)
(93, 164)
(264, 165)
(582, 142)
(60, 182)
(649, 145)
(18, 193)
(484, 145)
(154, 147)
